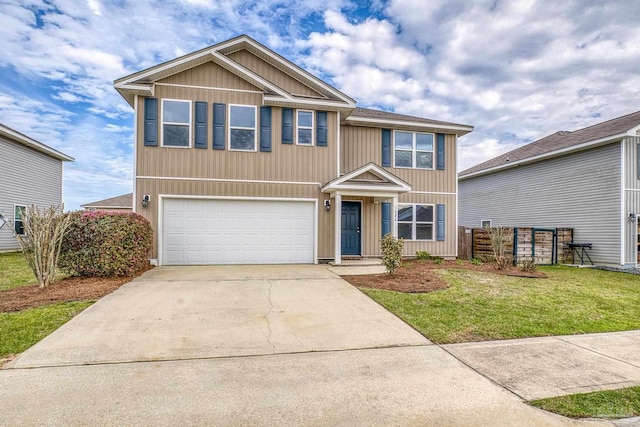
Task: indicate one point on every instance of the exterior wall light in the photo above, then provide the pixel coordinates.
(632, 216)
(327, 205)
(145, 200)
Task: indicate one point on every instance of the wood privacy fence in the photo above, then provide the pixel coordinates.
(544, 245)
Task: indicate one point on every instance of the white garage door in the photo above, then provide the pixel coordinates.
(237, 232)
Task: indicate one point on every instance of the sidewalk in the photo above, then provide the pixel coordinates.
(537, 368)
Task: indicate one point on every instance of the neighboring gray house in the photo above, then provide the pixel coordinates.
(30, 174)
(588, 180)
(122, 203)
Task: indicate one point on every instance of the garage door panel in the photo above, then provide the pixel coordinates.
(237, 232)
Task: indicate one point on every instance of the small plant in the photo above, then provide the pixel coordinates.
(476, 261)
(423, 255)
(391, 252)
(528, 265)
(438, 260)
(459, 261)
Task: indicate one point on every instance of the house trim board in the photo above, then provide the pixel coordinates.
(222, 89)
(162, 197)
(623, 235)
(136, 108)
(251, 181)
(356, 120)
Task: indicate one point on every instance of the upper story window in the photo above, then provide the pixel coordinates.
(176, 123)
(415, 222)
(413, 150)
(19, 212)
(242, 127)
(304, 125)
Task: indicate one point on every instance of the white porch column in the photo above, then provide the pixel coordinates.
(338, 229)
(394, 216)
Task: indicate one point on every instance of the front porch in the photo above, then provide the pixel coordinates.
(364, 203)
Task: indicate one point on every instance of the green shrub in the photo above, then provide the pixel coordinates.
(476, 261)
(438, 259)
(423, 255)
(391, 252)
(106, 244)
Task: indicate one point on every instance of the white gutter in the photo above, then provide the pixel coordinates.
(374, 120)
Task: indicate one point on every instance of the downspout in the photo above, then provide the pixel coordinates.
(623, 236)
(135, 151)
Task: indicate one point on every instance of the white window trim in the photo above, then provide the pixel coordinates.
(15, 205)
(162, 122)
(312, 128)
(254, 129)
(414, 222)
(414, 150)
(483, 221)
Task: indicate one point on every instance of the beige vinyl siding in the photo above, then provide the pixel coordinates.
(361, 145)
(27, 177)
(157, 187)
(286, 162)
(209, 75)
(367, 176)
(272, 74)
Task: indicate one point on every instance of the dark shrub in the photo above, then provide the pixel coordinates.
(106, 244)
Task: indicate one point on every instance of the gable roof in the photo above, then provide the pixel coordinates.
(559, 143)
(23, 139)
(388, 183)
(141, 83)
(123, 201)
(369, 117)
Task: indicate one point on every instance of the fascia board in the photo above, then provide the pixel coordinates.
(372, 120)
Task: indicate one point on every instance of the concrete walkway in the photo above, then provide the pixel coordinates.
(249, 345)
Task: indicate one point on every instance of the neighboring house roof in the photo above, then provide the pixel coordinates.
(22, 139)
(559, 143)
(124, 201)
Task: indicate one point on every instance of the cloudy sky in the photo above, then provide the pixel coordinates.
(516, 70)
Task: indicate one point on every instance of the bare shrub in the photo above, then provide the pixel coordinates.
(500, 237)
(528, 265)
(44, 229)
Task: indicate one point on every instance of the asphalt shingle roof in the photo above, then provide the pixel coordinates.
(385, 115)
(561, 140)
(125, 200)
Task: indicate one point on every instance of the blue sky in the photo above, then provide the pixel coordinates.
(516, 70)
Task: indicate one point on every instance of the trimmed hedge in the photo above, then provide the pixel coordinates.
(106, 244)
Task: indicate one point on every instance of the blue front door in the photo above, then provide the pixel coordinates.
(350, 228)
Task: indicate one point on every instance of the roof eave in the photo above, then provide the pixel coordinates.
(556, 153)
(33, 144)
(459, 130)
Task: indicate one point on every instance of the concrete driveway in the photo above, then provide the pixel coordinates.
(248, 345)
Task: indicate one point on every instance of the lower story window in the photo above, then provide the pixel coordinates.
(415, 222)
(19, 212)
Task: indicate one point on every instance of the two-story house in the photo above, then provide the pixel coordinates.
(243, 157)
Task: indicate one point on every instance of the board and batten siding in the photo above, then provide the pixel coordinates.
(580, 191)
(27, 177)
(360, 145)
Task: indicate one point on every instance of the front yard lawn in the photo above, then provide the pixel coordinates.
(28, 314)
(621, 403)
(479, 305)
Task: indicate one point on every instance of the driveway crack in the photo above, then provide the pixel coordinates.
(266, 316)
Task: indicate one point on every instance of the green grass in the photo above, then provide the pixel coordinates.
(481, 306)
(21, 330)
(14, 271)
(621, 403)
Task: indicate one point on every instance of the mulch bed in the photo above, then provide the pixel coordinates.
(67, 290)
(419, 276)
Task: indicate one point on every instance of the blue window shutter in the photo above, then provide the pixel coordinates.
(265, 128)
(200, 134)
(151, 122)
(386, 218)
(321, 128)
(440, 222)
(219, 113)
(287, 126)
(386, 147)
(440, 151)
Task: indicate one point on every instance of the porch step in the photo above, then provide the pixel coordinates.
(361, 262)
